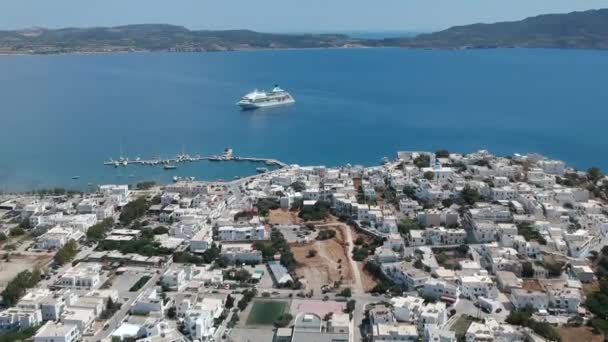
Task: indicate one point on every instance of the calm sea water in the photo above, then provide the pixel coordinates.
(62, 116)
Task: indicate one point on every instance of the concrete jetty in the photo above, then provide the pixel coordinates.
(188, 158)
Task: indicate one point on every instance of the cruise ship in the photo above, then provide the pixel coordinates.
(261, 99)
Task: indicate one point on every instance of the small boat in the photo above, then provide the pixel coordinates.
(215, 158)
(169, 167)
(116, 164)
(176, 179)
(261, 170)
(75, 177)
(227, 153)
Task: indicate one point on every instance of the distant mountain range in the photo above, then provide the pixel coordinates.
(576, 30)
(583, 30)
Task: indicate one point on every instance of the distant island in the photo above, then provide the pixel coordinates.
(576, 30)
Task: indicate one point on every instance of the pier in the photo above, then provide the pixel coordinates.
(187, 158)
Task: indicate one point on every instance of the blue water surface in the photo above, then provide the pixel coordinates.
(62, 116)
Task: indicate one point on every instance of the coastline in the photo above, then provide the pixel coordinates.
(358, 47)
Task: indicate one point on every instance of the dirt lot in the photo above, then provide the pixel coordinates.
(18, 263)
(323, 268)
(532, 285)
(368, 281)
(591, 287)
(586, 334)
(282, 216)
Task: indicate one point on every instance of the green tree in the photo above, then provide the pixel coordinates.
(527, 270)
(346, 292)
(160, 230)
(350, 306)
(283, 320)
(17, 231)
(98, 231)
(406, 225)
(422, 160)
(429, 175)
(442, 153)
(594, 174)
(470, 195)
(229, 302)
(3, 237)
(17, 287)
(409, 191)
(134, 210)
(298, 186)
(66, 253)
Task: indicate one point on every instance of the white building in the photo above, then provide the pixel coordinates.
(230, 233)
(174, 279)
(476, 285)
(148, 302)
(201, 241)
(441, 236)
(521, 298)
(57, 332)
(491, 330)
(199, 324)
(394, 332)
(83, 275)
(18, 319)
(241, 253)
(436, 289)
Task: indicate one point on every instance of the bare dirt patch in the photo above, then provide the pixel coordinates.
(19, 262)
(591, 287)
(329, 265)
(570, 334)
(368, 281)
(532, 285)
(283, 216)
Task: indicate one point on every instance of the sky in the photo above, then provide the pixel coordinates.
(280, 15)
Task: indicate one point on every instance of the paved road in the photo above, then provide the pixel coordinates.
(114, 322)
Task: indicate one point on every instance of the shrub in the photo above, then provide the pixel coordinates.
(326, 234)
(346, 292)
(283, 320)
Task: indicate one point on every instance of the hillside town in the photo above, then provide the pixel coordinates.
(429, 246)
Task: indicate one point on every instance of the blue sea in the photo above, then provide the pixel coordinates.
(62, 116)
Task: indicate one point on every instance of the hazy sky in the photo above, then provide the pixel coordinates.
(280, 15)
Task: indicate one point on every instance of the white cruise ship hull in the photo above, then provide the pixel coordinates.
(265, 104)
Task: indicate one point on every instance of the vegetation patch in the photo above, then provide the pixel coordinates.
(530, 233)
(17, 287)
(98, 231)
(66, 253)
(524, 318)
(140, 283)
(144, 245)
(134, 210)
(461, 326)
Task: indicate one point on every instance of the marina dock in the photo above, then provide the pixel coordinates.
(187, 158)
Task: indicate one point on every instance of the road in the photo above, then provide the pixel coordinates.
(358, 289)
(114, 322)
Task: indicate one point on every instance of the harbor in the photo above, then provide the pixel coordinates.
(170, 163)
